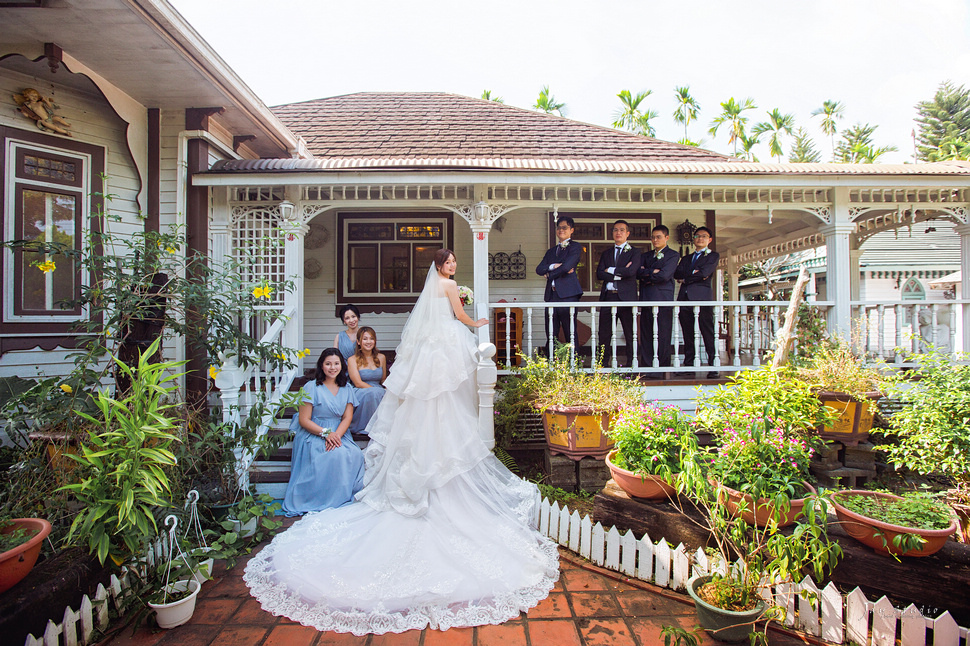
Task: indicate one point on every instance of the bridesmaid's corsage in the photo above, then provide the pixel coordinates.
(325, 432)
(465, 295)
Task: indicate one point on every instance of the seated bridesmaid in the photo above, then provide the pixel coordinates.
(327, 467)
(346, 340)
(368, 370)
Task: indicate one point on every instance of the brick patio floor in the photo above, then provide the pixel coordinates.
(589, 606)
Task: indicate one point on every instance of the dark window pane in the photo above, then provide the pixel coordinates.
(419, 232)
(47, 217)
(590, 231)
(395, 268)
(56, 169)
(363, 268)
(423, 257)
(365, 231)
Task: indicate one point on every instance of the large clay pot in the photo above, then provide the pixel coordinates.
(854, 417)
(648, 487)
(16, 563)
(879, 535)
(577, 431)
(176, 613)
(724, 625)
(761, 513)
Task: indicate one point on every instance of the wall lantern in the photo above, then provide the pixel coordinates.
(286, 209)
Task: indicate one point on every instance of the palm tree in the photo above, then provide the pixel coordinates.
(747, 146)
(731, 114)
(687, 108)
(547, 103)
(487, 95)
(777, 124)
(630, 117)
(831, 111)
(857, 147)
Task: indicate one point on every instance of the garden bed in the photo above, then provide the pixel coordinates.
(938, 581)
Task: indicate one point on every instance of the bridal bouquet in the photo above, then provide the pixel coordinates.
(466, 295)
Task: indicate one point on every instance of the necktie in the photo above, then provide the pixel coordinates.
(616, 254)
(697, 254)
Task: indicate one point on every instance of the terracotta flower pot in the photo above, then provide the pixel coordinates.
(724, 625)
(648, 487)
(761, 513)
(16, 563)
(577, 431)
(879, 535)
(854, 417)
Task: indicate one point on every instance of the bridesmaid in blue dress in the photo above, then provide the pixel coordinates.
(346, 341)
(327, 470)
(367, 370)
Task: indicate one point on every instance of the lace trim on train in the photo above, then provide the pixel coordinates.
(278, 600)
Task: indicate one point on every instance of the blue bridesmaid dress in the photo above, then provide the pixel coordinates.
(346, 346)
(321, 479)
(368, 398)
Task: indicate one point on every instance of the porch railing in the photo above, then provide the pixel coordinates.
(240, 387)
(744, 331)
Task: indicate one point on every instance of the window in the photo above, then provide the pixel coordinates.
(595, 232)
(47, 188)
(386, 255)
(913, 290)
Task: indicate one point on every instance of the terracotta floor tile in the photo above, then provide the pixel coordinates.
(189, 635)
(594, 604)
(450, 637)
(507, 634)
(641, 603)
(241, 635)
(584, 581)
(229, 586)
(559, 587)
(214, 611)
(341, 639)
(647, 629)
(250, 612)
(555, 605)
(605, 632)
(407, 638)
(553, 632)
(144, 637)
(292, 636)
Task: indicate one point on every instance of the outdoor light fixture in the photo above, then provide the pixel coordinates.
(481, 211)
(286, 209)
(771, 214)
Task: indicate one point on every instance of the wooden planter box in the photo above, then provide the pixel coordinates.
(854, 417)
(577, 431)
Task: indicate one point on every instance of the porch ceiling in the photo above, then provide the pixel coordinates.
(147, 50)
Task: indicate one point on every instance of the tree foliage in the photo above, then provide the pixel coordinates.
(687, 110)
(778, 124)
(944, 124)
(547, 103)
(631, 117)
(857, 147)
(831, 111)
(487, 95)
(803, 149)
(732, 115)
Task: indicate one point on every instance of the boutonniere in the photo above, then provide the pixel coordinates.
(706, 251)
(659, 255)
(625, 247)
(564, 244)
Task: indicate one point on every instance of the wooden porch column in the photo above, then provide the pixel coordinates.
(838, 279)
(295, 231)
(855, 275)
(480, 233)
(964, 231)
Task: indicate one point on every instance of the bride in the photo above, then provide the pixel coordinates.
(442, 535)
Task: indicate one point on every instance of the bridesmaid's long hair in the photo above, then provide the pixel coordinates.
(341, 376)
(359, 355)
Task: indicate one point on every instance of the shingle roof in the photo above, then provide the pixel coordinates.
(437, 125)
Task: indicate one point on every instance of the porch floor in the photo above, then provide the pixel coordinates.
(589, 606)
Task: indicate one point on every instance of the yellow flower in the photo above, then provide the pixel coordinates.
(46, 267)
(67, 389)
(171, 249)
(213, 371)
(262, 292)
(281, 356)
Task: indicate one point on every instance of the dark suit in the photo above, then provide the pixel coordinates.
(624, 281)
(698, 279)
(566, 287)
(657, 284)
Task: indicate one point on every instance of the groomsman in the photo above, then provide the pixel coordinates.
(656, 277)
(696, 271)
(618, 269)
(558, 267)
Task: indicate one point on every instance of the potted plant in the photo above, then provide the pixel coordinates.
(250, 521)
(846, 386)
(577, 407)
(744, 556)
(762, 471)
(914, 524)
(20, 543)
(651, 442)
(930, 434)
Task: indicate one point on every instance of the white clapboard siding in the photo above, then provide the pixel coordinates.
(825, 613)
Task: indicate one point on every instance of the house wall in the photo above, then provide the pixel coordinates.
(94, 122)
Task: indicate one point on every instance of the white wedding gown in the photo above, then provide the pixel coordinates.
(442, 535)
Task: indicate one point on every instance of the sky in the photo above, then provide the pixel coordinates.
(879, 58)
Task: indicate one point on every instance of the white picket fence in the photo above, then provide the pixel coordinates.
(827, 613)
(824, 613)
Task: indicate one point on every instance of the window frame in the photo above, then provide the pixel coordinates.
(394, 218)
(86, 188)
